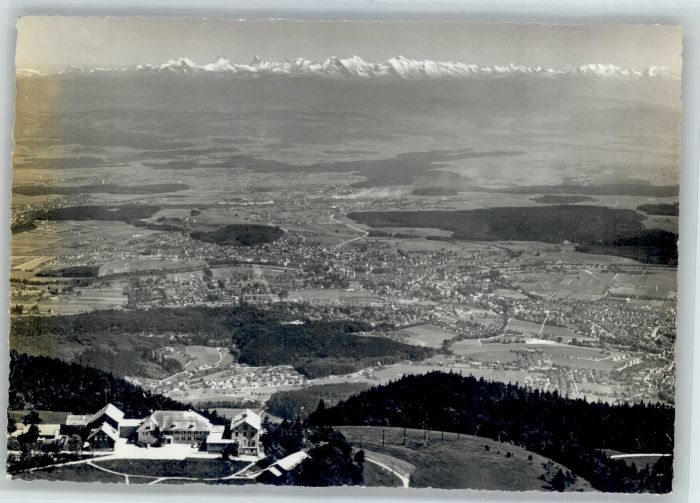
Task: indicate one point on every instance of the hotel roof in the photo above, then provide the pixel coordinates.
(246, 417)
(106, 428)
(176, 420)
(108, 410)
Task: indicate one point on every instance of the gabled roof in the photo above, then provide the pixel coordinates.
(246, 417)
(108, 410)
(289, 462)
(175, 420)
(45, 430)
(107, 429)
(274, 471)
(77, 420)
(148, 424)
(216, 434)
(130, 422)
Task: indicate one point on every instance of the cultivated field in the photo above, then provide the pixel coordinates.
(92, 298)
(560, 354)
(661, 285)
(485, 351)
(419, 244)
(537, 329)
(141, 265)
(384, 374)
(332, 295)
(427, 335)
(204, 355)
(584, 284)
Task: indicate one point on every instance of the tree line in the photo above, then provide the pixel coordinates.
(571, 432)
(257, 336)
(42, 383)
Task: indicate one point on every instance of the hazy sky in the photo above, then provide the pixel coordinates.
(51, 43)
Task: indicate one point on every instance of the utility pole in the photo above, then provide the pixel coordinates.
(360, 440)
(404, 435)
(382, 438)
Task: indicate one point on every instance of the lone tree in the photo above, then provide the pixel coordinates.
(30, 436)
(31, 417)
(11, 425)
(230, 451)
(74, 444)
(158, 436)
(559, 482)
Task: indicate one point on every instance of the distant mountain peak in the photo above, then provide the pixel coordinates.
(182, 64)
(399, 67)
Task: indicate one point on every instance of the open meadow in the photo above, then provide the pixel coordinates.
(583, 284)
(451, 461)
(654, 285)
(428, 335)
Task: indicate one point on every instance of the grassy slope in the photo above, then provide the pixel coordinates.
(141, 471)
(201, 468)
(458, 463)
(72, 473)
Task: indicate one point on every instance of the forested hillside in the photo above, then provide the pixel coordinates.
(240, 235)
(587, 225)
(570, 432)
(300, 403)
(256, 336)
(50, 384)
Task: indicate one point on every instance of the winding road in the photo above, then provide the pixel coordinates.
(403, 478)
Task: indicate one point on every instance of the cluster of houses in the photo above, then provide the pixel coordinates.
(104, 429)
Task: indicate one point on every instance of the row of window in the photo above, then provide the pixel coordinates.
(251, 434)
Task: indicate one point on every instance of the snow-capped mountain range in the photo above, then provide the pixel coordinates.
(355, 67)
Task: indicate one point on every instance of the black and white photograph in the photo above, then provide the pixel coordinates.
(400, 254)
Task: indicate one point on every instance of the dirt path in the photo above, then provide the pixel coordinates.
(65, 463)
(640, 455)
(236, 475)
(126, 477)
(363, 233)
(155, 479)
(398, 467)
(404, 480)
